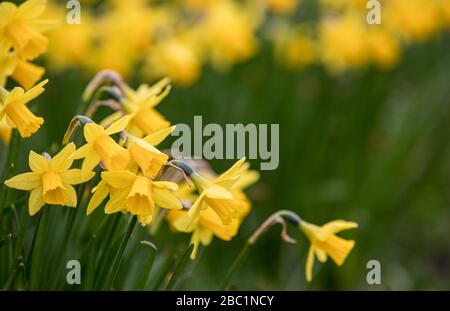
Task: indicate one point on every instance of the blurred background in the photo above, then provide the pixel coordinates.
(364, 114)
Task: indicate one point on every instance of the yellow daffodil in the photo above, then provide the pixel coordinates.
(217, 194)
(139, 105)
(22, 29)
(13, 108)
(100, 146)
(324, 242)
(208, 223)
(143, 152)
(50, 180)
(138, 194)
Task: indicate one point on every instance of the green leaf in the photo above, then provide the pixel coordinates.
(179, 268)
(145, 272)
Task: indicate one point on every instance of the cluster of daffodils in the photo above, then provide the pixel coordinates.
(118, 166)
(177, 38)
(342, 38)
(22, 40)
(123, 169)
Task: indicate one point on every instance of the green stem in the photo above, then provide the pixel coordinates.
(38, 249)
(234, 267)
(145, 272)
(119, 254)
(9, 168)
(179, 268)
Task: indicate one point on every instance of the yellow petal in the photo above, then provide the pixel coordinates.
(321, 254)
(36, 201)
(92, 131)
(337, 248)
(25, 181)
(232, 172)
(61, 162)
(34, 92)
(166, 185)
(117, 201)
(37, 162)
(71, 195)
(158, 136)
(76, 176)
(97, 198)
(90, 162)
(166, 199)
(31, 9)
(111, 118)
(118, 125)
(336, 226)
(118, 179)
(195, 209)
(309, 263)
(218, 192)
(82, 152)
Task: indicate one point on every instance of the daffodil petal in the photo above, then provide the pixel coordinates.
(25, 181)
(309, 263)
(37, 162)
(335, 226)
(218, 192)
(158, 136)
(82, 152)
(118, 125)
(118, 179)
(91, 161)
(92, 131)
(232, 171)
(98, 197)
(36, 201)
(61, 161)
(166, 199)
(76, 176)
(117, 201)
(166, 185)
(71, 195)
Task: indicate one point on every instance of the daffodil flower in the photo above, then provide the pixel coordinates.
(22, 28)
(140, 105)
(138, 194)
(13, 108)
(50, 180)
(218, 195)
(324, 242)
(145, 155)
(101, 146)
